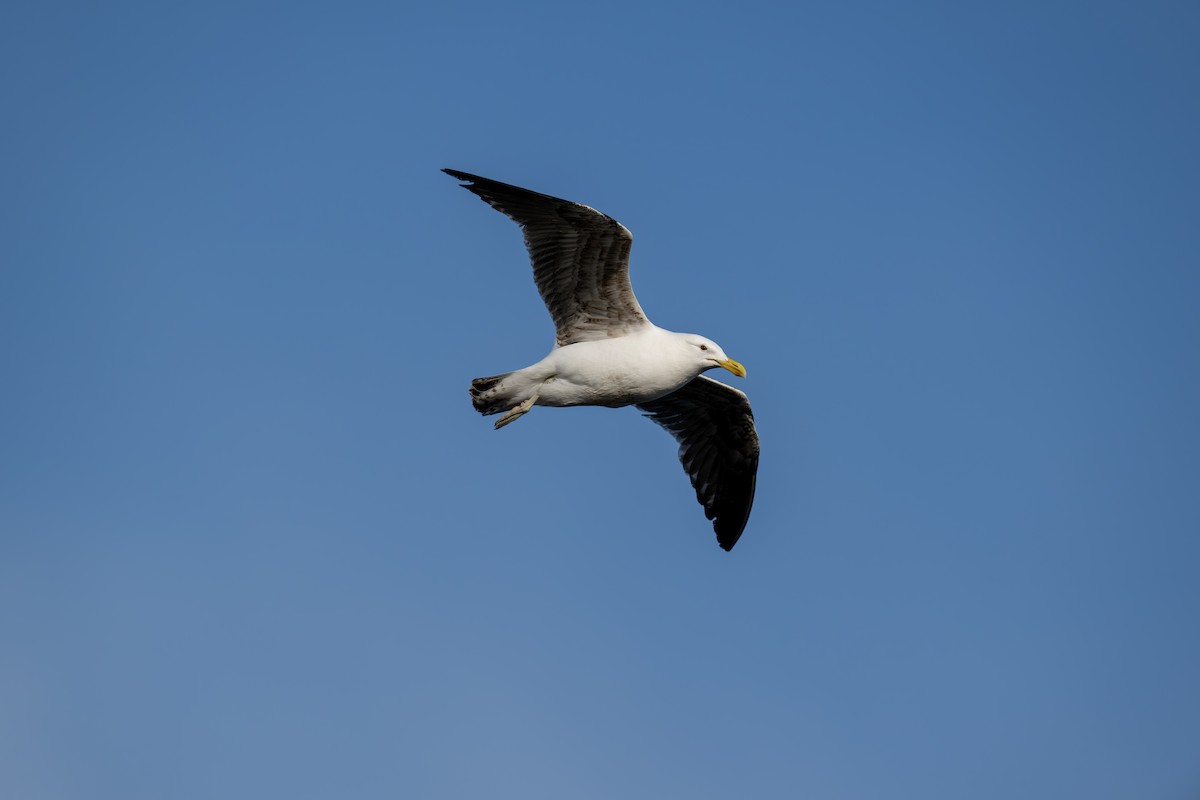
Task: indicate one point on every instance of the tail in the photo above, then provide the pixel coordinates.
(488, 395)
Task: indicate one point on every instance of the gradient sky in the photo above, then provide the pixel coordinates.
(254, 541)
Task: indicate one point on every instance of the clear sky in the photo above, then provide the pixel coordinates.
(254, 541)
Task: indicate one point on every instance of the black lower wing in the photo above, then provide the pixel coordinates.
(718, 446)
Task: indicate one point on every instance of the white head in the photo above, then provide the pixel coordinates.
(709, 354)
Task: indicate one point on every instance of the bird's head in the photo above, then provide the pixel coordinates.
(710, 355)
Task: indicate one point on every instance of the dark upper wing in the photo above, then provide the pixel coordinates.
(580, 260)
(718, 446)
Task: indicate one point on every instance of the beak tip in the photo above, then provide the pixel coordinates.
(734, 367)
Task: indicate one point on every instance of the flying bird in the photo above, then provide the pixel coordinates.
(607, 353)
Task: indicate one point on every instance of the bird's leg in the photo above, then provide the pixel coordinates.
(523, 407)
(516, 411)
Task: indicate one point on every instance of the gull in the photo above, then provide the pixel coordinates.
(607, 353)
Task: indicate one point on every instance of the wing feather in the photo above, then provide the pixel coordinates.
(718, 447)
(580, 260)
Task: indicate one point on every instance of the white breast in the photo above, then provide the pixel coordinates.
(619, 371)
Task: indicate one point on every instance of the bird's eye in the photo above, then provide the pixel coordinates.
(703, 347)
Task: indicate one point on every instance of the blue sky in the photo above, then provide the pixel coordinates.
(255, 542)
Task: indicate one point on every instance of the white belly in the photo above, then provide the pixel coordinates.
(612, 372)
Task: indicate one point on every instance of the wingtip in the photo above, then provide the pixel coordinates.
(458, 174)
(727, 538)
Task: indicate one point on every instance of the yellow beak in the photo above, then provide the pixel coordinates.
(733, 366)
